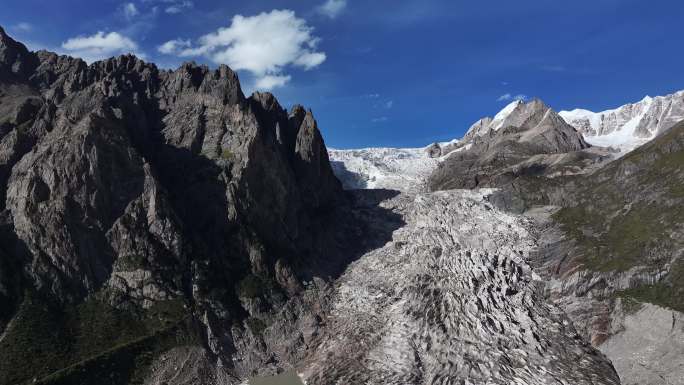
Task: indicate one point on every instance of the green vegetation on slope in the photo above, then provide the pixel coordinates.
(50, 344)
(623, 241)
(631, 213)
(667, 293)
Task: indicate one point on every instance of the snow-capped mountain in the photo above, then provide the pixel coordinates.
(631, 125)
(501, 119)
(406, 169)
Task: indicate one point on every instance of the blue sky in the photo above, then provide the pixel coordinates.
(382, 72)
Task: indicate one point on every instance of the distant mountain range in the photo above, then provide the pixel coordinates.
(622, 129)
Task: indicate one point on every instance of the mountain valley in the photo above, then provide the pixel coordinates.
(161, 227)
(608, 220)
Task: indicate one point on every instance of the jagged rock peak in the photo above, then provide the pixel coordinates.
(514, 114)
(532, 119)
(15, 58)
(110, 137)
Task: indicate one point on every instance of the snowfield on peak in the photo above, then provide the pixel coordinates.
(500, 118)
(631, 125)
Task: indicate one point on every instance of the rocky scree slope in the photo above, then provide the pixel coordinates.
(139, 205)
(614, 259)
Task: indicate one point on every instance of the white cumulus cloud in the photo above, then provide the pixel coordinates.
(264, 45)
(332, 8)
(310, 60)
(99, 46)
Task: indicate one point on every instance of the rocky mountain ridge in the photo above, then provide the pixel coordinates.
(525, 139)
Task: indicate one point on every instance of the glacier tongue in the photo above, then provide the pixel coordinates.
(450, 300)
(402, 169)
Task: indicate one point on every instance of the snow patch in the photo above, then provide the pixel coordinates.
(499, 118)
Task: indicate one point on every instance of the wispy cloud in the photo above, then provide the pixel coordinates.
(171, 7)
(173, 46)
(370, 96)
(389, 104)
(380, 119)
(178, 7)
(100, 46)
(264, 45)
(508, 97)
(129, 10)
(23, 27)
(332, 8)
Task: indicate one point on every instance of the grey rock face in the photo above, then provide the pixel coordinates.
(648, 347)
(145, 186)
(14, 58)
(103, 131)
(187, 366)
